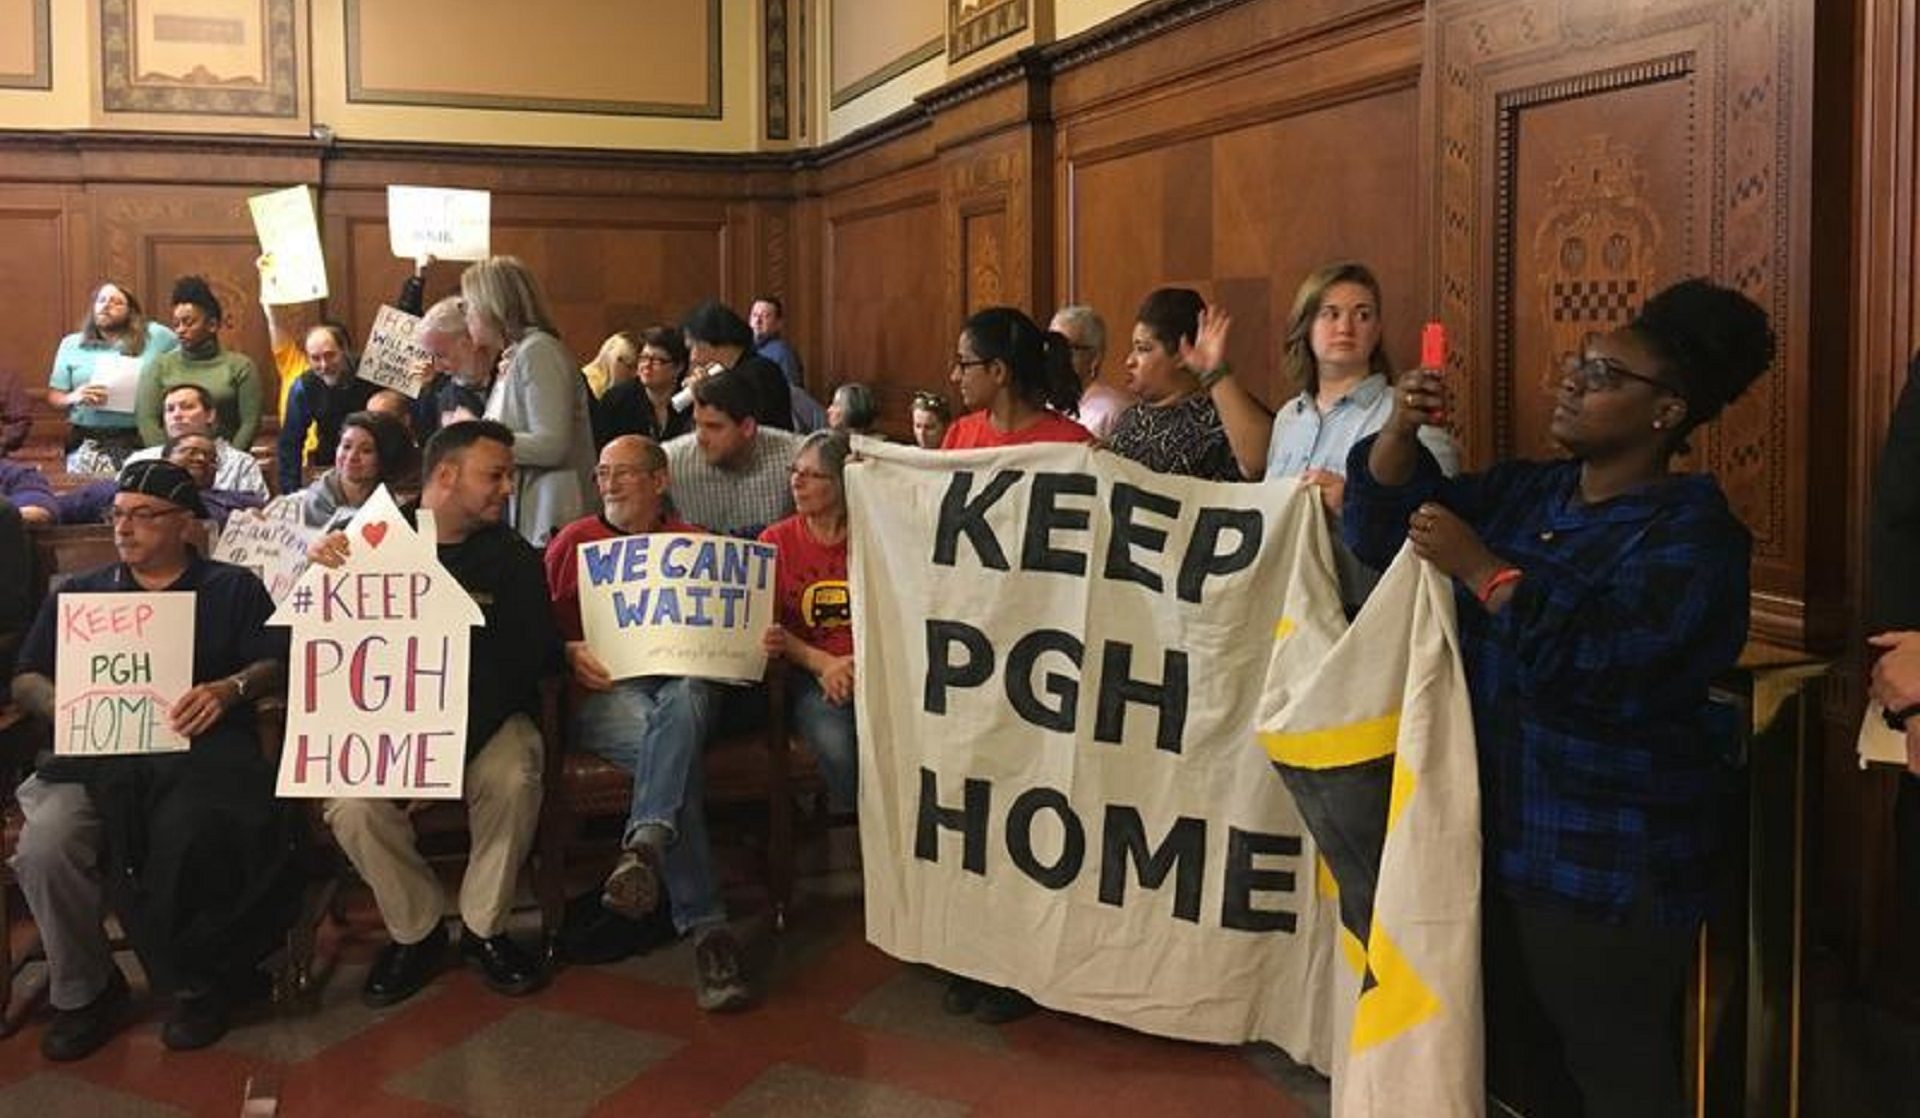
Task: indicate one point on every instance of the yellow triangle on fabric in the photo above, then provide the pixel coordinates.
(1337, 746)
(1404, 782)
(1283, 629)
(1398, 1001)
(1323, 880)
(1352, 951)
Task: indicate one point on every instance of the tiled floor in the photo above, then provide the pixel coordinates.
(842, 1030)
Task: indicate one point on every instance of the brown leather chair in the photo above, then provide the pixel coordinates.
(762, 767)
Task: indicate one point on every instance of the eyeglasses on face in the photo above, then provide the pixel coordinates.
(1603, 374)
(797, 472)
(619, 473)
(963, 364)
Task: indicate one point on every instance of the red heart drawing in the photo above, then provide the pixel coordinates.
(375, 532)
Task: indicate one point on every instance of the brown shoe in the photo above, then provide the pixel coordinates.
(633, 888)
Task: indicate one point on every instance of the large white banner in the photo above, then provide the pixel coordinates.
(1060, 661)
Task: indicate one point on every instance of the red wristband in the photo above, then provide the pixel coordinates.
(1505, 576)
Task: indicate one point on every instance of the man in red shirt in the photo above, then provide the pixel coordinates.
(653, 727)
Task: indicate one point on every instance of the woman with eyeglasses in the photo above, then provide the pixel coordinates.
(932, 415)
(374, 450)
(1016, 383)
(643, 404)
(815, 630)
(1597, 598)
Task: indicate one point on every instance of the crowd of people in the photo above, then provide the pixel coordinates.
(1599, 749)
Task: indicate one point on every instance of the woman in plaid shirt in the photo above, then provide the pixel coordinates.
(1598, 596)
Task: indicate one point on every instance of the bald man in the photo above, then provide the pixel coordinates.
(653, 727)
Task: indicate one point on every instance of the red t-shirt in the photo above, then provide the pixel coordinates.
(563, 566)
(975, 430)
(810, 587)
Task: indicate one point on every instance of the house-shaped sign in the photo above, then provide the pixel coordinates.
(377, 672)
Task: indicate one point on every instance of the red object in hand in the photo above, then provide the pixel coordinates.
(1433, 346)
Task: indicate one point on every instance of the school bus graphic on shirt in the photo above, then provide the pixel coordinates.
(826, 604)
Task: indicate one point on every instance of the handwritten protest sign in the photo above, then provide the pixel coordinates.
(122, 661)
(669, 604)
(438, 221)
(392, 352)
(271, 542)
(377, 675)
(292, 268)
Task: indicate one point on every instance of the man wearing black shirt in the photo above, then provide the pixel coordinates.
(468, 476)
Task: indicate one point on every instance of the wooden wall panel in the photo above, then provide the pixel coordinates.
(1523, 89)
(885, 316)
(34, 281)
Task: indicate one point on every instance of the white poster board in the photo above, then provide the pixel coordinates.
(271, 542)
(378, 667)
(122, 661)
(439, 221)
(391, 352)
(120, 376)
(292, 268)
(675, 604)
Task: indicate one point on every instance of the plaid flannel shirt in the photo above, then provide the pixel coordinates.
(1601, 756)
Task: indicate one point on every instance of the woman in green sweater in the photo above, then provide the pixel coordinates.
(228, 376)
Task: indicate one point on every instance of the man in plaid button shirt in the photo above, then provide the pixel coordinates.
(730, 474)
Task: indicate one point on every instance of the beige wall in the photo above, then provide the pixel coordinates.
(65, 105)
(657, 51)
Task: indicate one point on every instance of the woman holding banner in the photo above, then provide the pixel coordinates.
(815, 630)
(1016, 383)
(374, 450)
(1598, 597)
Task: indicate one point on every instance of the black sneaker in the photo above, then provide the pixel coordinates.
(74, 1033)
(504, 967)
(722, 978)
(1001, 1005)
(402, 969)
(197, 1021)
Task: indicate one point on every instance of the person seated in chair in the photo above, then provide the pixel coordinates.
(92, 503)
(191, 848)
(188, 409)
(730, 473)
(468, 476)
(653, 727)
(29, 492)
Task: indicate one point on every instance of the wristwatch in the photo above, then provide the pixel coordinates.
(239, 681)
(1210, 377)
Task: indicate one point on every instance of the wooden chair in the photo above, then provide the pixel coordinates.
(754, 768)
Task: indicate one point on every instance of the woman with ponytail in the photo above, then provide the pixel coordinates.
(1016, 383)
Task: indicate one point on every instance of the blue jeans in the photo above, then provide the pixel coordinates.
(654, 727)
(829, 731)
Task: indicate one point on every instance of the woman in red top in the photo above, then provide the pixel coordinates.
(815, 630)
(1016, 383)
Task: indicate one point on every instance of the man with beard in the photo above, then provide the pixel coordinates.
(115, 327)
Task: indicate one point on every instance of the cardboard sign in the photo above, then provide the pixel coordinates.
(377, 671)
(391, 352)
(293, 269)
(271, 542)
(122, 662)
(671, 604)
(438, 221)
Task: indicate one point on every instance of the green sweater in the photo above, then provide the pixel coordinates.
(227, 376)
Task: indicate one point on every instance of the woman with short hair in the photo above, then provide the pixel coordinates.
(643, 404)
(227, 375)
(374, 450)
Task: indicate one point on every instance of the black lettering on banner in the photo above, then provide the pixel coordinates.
(1129, 533)
(970, 819)
(1065, 689)
(1123, 841)
(1202, 561)
(961, 517)
(1243, 881)
(942, 673)
(1117, 689)
(1073, 848)
(1045, 517)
